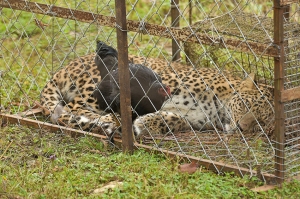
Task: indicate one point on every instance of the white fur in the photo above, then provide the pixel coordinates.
(227, 127)
(84, 119)
(197, 114)
(136, 127)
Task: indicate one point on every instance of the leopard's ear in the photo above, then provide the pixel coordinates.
(248, 83)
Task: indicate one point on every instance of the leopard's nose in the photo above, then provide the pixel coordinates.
(239, 127)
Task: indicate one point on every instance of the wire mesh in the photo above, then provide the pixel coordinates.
(291, 80)
(217, 110)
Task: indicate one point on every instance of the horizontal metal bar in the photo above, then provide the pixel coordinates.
(16, 119)
(185, 35)
(214, 166)
(290, 94)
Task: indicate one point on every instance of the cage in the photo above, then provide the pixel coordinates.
(238, 58)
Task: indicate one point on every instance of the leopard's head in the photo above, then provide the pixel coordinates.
(251, 107)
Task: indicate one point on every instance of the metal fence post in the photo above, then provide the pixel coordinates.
(278, 88)
(124, 77)
(175, 23)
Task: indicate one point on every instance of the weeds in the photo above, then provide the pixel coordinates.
(39, 164)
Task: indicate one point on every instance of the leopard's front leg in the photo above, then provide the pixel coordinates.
(160, 122)
(84, 117)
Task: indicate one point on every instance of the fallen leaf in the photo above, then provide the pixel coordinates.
(98, 151)
(110, 185)
(264, 188)
(189, 168)
(56, 168)
(40, 24)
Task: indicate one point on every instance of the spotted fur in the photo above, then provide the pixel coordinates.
(69, 97)
(207, 98)
(201, 98)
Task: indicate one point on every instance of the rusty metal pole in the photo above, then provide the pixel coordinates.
(175, 23)
(190, 12)
(278, 88)
(124, 77)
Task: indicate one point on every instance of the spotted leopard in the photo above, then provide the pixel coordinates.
(201, 98)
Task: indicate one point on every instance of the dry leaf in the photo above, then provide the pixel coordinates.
(189, 168)
(110, 185)
(263, 188)
(40, 24)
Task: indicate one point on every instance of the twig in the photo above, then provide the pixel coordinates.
(46, 111)
(6, 149)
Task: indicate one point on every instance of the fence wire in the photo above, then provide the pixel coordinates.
(291, 80)
(221, 102)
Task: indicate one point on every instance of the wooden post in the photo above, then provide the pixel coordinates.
(124, 77)
(278, 88)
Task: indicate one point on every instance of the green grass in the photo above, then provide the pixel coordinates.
(39, 164)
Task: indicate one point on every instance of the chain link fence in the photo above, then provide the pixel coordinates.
(233, 103)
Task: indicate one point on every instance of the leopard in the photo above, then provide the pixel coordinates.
(200, 98)
(210, 99)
